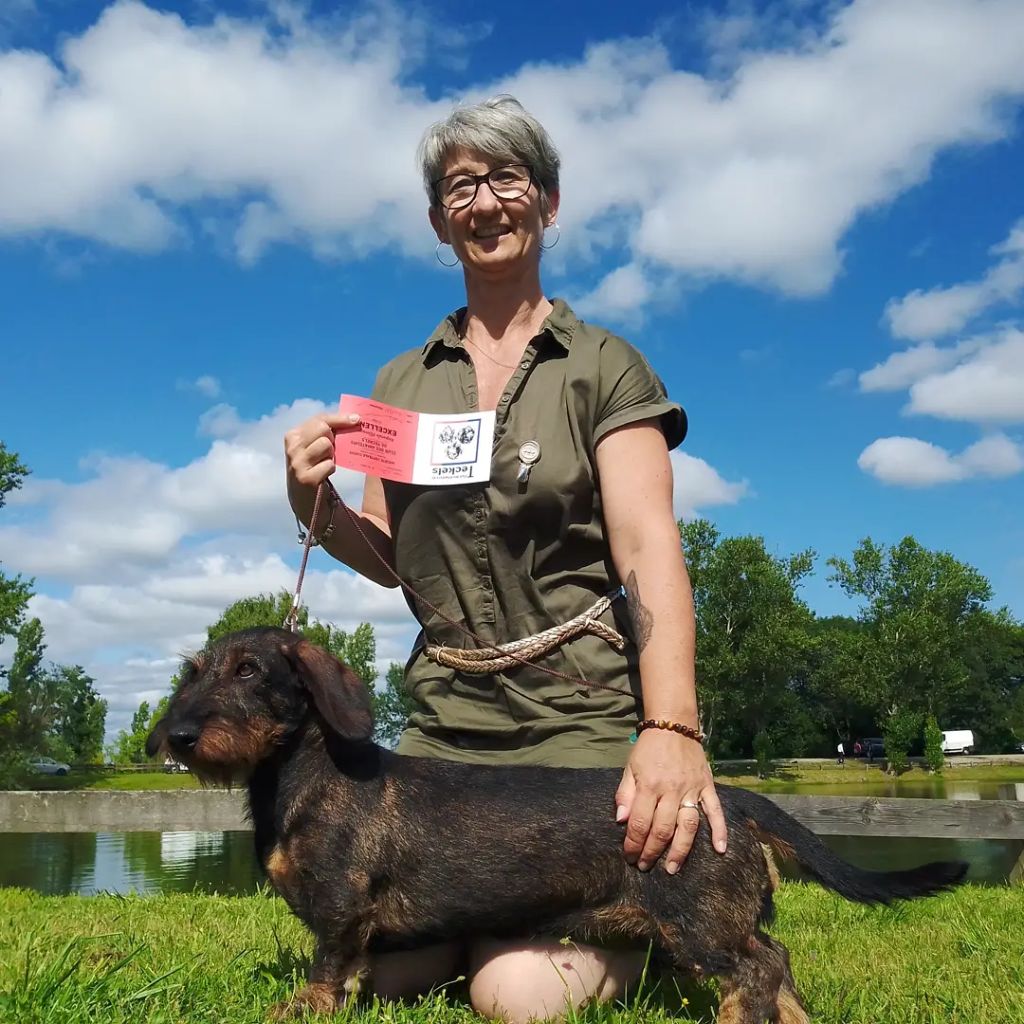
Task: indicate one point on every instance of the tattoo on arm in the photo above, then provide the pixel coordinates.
(642, 619)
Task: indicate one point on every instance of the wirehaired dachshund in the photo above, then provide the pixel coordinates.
(377, 852)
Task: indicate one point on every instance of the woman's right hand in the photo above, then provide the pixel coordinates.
(309, 448)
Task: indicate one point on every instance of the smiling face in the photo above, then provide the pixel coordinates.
(493, 237)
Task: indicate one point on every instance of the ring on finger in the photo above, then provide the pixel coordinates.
(689, 804)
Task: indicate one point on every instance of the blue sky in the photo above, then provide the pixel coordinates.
(809, 217)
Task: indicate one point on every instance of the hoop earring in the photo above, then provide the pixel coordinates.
(437, 253)
(557, 237)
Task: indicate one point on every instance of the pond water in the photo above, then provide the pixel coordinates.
(58, 863)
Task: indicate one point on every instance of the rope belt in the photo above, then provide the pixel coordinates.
(490, 659)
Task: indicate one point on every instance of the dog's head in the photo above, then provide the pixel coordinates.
(247, 693)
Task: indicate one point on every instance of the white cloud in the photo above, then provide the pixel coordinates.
(842, 378)
(697, 485)
(910, 462)
(207, 386)
(986, 387)
(995, 455)
(145, 556)
(938, 312)
(134, 513)
(129, 637)
(902, 369)
(754, 175)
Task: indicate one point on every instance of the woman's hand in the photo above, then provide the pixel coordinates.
(666, 772)
(309, 449)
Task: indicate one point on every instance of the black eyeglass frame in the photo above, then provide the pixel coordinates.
(480, 179)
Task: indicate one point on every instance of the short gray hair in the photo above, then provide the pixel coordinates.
(499, 128)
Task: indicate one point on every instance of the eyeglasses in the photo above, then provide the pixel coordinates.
(457, 191)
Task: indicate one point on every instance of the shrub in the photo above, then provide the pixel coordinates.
(899, 732)
(763, 751)
(933, 744)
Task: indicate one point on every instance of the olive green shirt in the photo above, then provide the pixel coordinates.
(510, 559)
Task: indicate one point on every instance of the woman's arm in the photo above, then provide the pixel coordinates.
(665, 768)
(309, 457)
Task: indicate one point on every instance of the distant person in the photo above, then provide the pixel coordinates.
(579, 502)
(858, 749)
(841, 751)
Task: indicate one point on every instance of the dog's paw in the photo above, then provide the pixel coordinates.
(314, 998)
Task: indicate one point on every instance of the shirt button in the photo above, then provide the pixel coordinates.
(524, 365)
(504, 400)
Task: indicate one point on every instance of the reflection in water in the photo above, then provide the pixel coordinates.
(922, 789)
(990, 860)
(57, 863)
(48, 862)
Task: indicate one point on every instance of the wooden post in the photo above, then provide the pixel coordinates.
(1017, 871)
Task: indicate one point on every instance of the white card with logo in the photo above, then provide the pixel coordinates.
(453, 449)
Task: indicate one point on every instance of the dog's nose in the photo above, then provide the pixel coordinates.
(183, 738)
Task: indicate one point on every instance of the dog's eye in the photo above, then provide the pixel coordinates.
(245, 670)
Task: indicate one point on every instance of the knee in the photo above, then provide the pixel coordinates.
(521, 984)
(409, 974)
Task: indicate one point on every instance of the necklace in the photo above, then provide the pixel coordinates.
(507, 366)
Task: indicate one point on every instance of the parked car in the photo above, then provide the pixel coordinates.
(957, 741)
(872, 746)
(47, 766)
(170, 765)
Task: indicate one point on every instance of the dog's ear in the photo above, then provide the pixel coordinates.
(339, 694)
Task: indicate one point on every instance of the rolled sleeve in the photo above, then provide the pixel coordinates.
(630, 391)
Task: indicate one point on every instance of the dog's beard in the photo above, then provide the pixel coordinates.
(227, 753)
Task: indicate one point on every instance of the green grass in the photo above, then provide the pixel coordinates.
(105, 778)
(808, 774)
(956, 959)
(857, 772)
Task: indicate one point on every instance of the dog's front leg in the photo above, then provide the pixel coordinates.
(339, 971)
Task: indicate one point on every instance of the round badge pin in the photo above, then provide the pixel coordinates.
(529, 452)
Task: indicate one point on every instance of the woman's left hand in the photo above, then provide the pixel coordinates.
(665, 775)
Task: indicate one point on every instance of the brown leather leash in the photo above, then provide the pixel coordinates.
(291, 620)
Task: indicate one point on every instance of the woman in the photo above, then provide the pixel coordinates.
(579, 502)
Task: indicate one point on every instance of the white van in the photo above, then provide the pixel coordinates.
(957, 741)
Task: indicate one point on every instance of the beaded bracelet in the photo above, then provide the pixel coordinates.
(662, 723)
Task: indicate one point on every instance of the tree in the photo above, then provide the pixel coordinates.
(130, 745)
(12, 760)
(919, 610)
(991, 703)
(14, 591)
(839, 687)
(753, 640)
(81, 716)
(392, 706)
(254, 612)
(357, 649)
(33, 690)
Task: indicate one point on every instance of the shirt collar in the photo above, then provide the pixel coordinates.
(560, 325)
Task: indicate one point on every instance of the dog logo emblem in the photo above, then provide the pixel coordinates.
(455, 443)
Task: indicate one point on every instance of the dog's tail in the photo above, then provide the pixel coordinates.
(791, 840)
